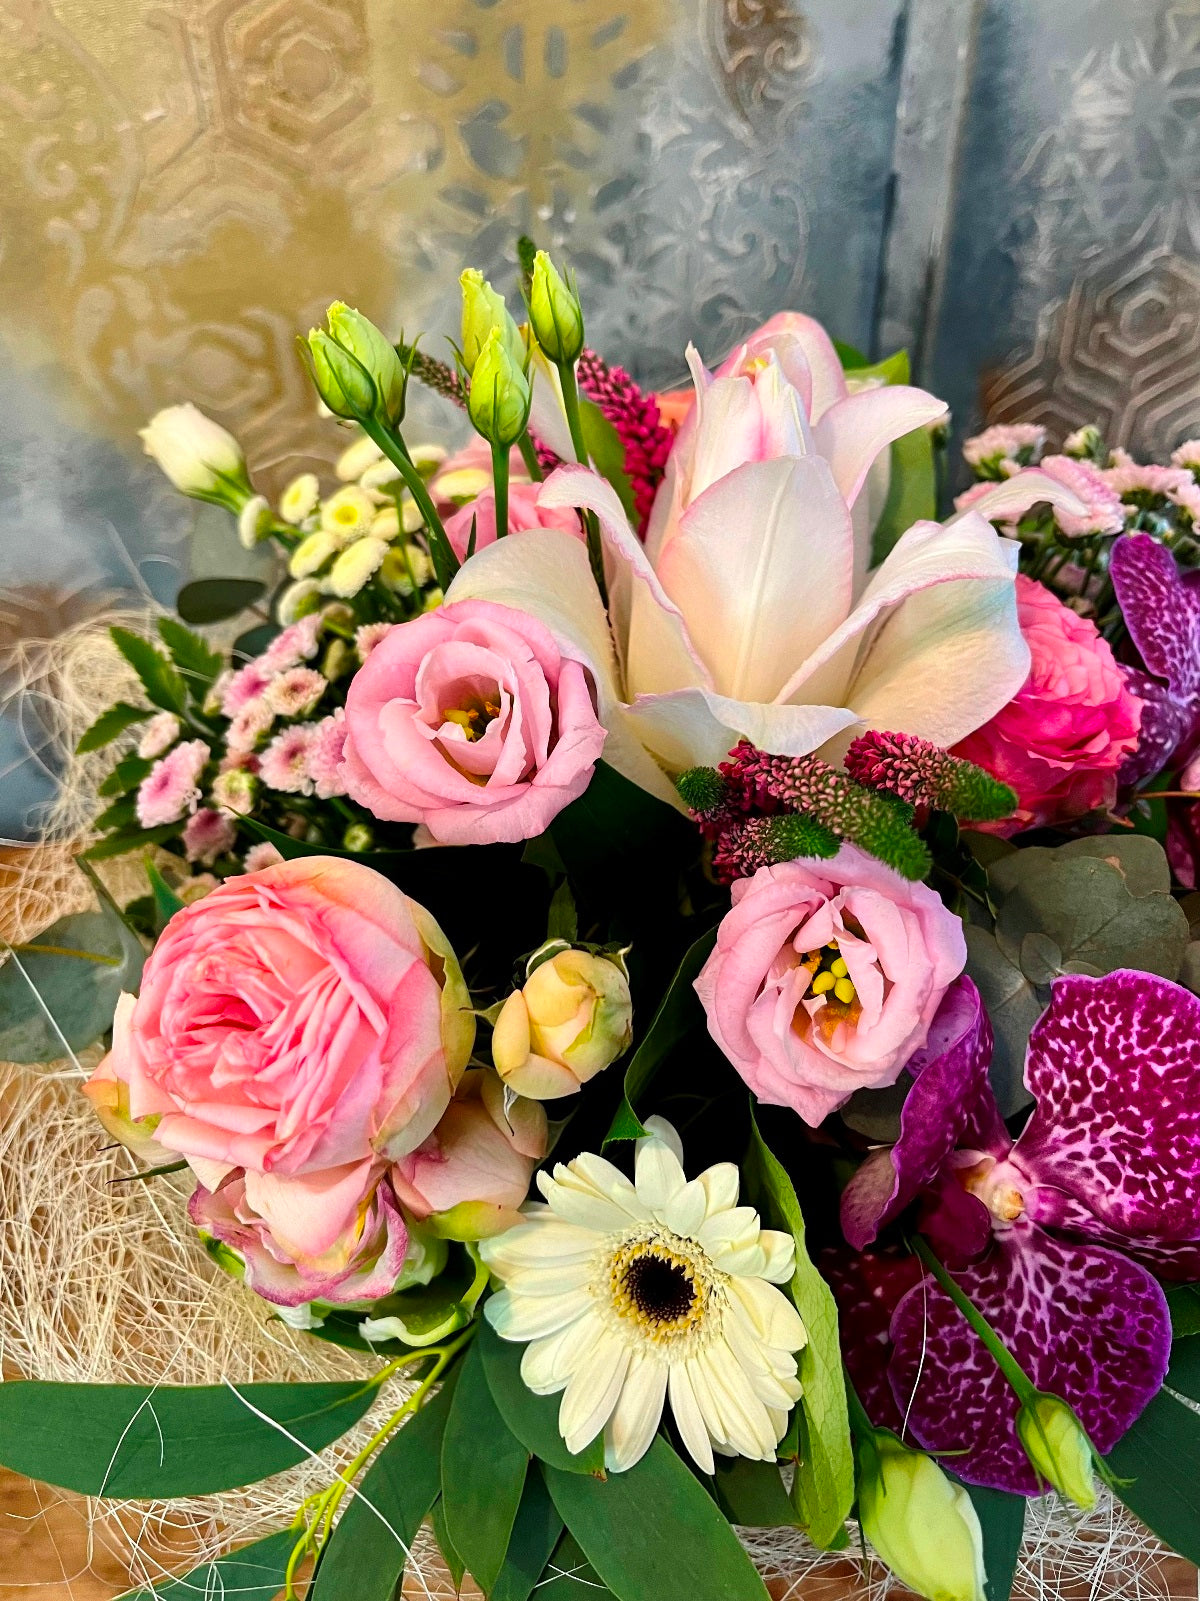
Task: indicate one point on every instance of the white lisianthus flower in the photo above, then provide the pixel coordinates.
(299, 499)
(348, 514)
(355, 566)
(254, 521)
(633, 1294)
(199, 456)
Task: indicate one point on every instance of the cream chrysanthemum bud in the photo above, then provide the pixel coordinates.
(311, 554)
(386, 523)
(355, 566)
(500, 394)
(348, 514)
(1057, 1445)
(482, 310)
(356, 458)
(555, 313)
(427, 458)
(254, 521)
(298, 600)
(922, 1524)
(572, 1018)
(630, 1293)
(379, 476)
(299, 499)
(200, 457)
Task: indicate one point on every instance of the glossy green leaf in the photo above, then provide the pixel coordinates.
(569, 1576)
(604, 446)
(195, 658)
(126, 775)
(535, 1535)
(614, 818)
(125, 840)
(366, 1555)
(166, 902)
(654, 1533)
(912, 491)
(121, 814)
(483, 1474)
(752, 1494)
(678, 1013)
(1159, 1450)
(823, 1489)
(159, 676)
(532, 1418)
(212, 600)
(47, 998)
(454, 1563)
(136, 1442)
(254, 1573)
(110, 724)
(1002, 1519)
(1183, 1300)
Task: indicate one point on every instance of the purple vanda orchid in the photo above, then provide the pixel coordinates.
(1161, 608)
(1051, 1235)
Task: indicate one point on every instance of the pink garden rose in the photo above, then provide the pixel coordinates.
(335, 1236)
(472, 720)
(304, 1018)
(1061, 739)
(770, 996)
(523, 513)
(472, 1173)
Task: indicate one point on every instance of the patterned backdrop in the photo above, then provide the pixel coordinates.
(1008, 186)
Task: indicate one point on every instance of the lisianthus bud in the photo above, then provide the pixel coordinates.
(342, 381)
(1057, 1445)
(922, 1524)
(377, 355)
(570, 1021)
(482, 310)
(555, 312)
(199, 456)
(235, 791)
(358, 837)
(254, 521)
(500, 394)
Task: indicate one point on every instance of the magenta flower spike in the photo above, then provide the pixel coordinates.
(1050, 1235)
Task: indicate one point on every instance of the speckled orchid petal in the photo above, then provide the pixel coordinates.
(1161, 610)
(951, 1075)
(1167, 725)
(867, 1289)
(1114, 1063)
(1084, 1322)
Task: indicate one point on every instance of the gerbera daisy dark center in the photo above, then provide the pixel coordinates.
(661, 1289)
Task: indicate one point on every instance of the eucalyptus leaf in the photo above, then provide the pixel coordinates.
(1013, 1006)
(253, 1573)
(212, 600)
(52, 1003)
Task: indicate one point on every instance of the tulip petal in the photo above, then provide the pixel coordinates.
(762, 567)
(853, 431)
(695, 728)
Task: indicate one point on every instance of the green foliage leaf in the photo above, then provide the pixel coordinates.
(126, 775)
(535, 1535)
(194, 657)
(912, 490)
(533, 1419)
(159, 677)
(604, 446)
(1184, 1303)
(366, 1555)
(752, 1494)
(614, 818)
(109, 725)
(254, 1573)
(129, 839)
(1002, 1519)
(1154, 1456)
(563, 922)
(253, 642)
(80, 995)
(481, 1487)
(569, 1576)
(678, 1013)
(121, 814)
(166, 902)
(654, 1534)
(454, 1563)
(823, 1489)
(138, 1442)
(212, 600)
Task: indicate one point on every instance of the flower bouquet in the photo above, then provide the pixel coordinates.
(674, 959)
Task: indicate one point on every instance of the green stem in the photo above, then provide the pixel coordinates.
(65, 950)
(999, 1352)
(500, 481)
(570, 392)
(102, 891)
(530, 457)
(445, 562)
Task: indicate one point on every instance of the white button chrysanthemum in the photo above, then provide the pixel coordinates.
(630, 1294)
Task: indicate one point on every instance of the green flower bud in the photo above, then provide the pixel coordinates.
(482, 310)
(358, 837)
(500, 394)
(376, 354)
(922, 1524)
(554, 312)
(1057, 1445)
(342, 382)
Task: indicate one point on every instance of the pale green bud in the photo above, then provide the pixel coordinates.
(555, 313)
(377, 355)
(482, 310)
(570, 1021)
(338, 660)
(921, 1523)
(342, 382)
(500, 394)
(1058, 1447)
(358, 837)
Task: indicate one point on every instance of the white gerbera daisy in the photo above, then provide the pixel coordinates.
(630, 1294)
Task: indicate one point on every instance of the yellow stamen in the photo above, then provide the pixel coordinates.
(844, 990)
(838, 967)
(822, 983)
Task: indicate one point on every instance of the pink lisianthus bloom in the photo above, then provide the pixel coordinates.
(471, 1176)
(172, 787)
(301, 1018)
(1061, 739)
(336, 1236)
(472, 720)
(775, 1010)
(523, 513)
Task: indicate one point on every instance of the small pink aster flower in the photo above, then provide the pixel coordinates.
(368, 636)
(161, 733)
(261, 855)
(170, 789)
(297, 643)
(1021, 442)
(250, 723)
(325, 755)
(1105, 512)
(1129, 478)
(246, 684)
(1187, 455)
(295, 692)
(208, 834)
(284, 763)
